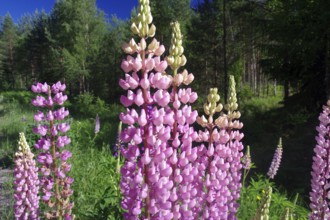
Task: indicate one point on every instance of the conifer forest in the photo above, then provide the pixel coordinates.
(190, 109)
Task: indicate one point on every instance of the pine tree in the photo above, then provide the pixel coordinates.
(8, 44)
(78, 28)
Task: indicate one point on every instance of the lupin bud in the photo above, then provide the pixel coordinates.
(152, 31)
(140, 24)
(176, 59)
(135, 29)
(212, 99)
(231, 105)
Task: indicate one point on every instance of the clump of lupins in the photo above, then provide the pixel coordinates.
(276, 160)
(53, 159)
(319, 196)
(26, 184)
(223, 153)
(156, 174)
(164, 176)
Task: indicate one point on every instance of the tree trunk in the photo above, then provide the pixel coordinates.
(206, 78)
(11, 64)
(215, 83)
(267, 89)
(327, 63)
(224, 26)
(286, 89)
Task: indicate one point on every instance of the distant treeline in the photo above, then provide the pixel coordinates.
(260, 42)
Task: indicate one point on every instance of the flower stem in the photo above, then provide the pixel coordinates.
(145, 143)
(57, 191)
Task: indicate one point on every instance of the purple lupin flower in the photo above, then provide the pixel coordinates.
(97, 124)
(187, 189)
(55, 184)
(276, 160)
(146, 135)
(246, 160)
(158, 176)
(319, 196)
(26, 184)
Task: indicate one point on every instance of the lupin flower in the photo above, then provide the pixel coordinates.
(187, 189)
(246, 160)
(140, 140)
(55, 184)
(288, 214)
(319, 196)
(26, 184)
(263, 210)
(276, 160)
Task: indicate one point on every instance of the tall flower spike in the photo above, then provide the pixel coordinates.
(26, 184)
(187, 188)
(140, 25)
(145, 133)
(287, 214)
(263, 211)
(276, 160)
(176, 59)
(55, 184)
(320, 169)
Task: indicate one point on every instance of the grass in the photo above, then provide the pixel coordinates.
(15, 117)
(96, 192)
(7, 197)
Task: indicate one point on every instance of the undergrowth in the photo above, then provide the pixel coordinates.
(253, 193)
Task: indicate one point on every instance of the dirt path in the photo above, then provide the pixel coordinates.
(6, 197)
(6, 178)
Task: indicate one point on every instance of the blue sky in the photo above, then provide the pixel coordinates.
(16, 8)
